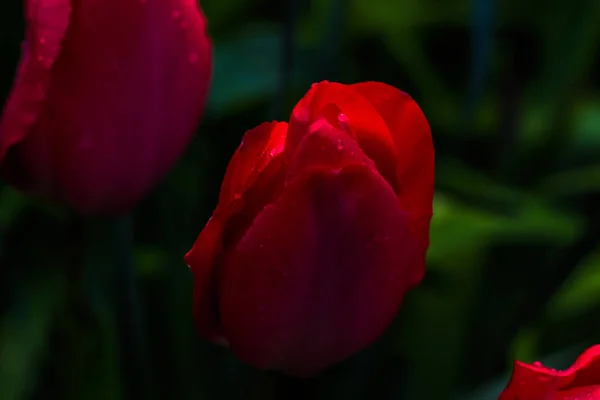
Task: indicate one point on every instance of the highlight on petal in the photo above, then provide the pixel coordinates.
(416, 157)
(536, 382)
(47, 22)
(319, 275)
(258, 148)
(246, 186)
(345, 108)
(413, 142)
(325, 147)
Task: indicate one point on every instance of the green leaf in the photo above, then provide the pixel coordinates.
(580, 293)
(24, 332)
(246, 69)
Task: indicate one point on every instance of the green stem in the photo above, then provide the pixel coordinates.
(274, 386)
(134, 354)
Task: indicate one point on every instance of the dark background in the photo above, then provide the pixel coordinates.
(511, 89)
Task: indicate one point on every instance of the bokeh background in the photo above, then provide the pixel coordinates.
(511, 89)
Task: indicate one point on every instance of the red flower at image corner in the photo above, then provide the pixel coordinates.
(535, 382)
(322, 225)
(106, 97)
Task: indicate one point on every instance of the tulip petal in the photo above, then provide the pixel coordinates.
(259, 147)
(586, 369)
(319, 275)
(344, 107)
(414, 147)
(579, 393)
(124, 97)
(536, 382)
(248, 180)
(47, 22)
(325, 146)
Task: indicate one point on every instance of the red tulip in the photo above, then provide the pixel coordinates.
(535, 382)
(106, 97)
(322, 226)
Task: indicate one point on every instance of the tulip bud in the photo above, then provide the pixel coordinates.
(321, 228)
(106, 98)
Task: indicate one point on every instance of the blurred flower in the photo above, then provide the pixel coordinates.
(322, 226)
(535, 382)
(106, 97)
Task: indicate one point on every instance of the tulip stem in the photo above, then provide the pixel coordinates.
(274, 386)
(134, 355)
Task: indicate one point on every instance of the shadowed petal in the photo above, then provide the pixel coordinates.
(121, 91)
(47, 22)
(319, 275)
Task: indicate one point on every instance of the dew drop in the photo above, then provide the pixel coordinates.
(537, 364)
(237, 196)
(340, 145)
(273, 152)
(342, 119)
(42, 40)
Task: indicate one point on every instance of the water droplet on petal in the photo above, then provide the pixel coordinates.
(537, 364)
(273, 152)
(340, 145)
(237, 196)
(42, 40)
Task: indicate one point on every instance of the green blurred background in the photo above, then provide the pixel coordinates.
(511, 89)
